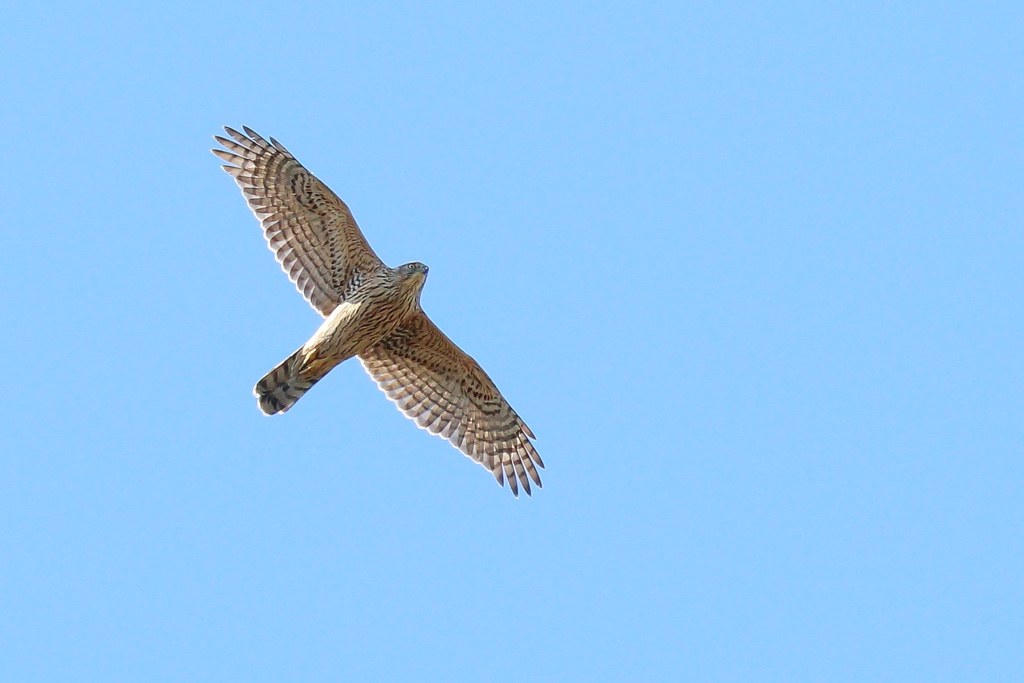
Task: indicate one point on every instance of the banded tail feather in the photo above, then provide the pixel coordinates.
(284, 385)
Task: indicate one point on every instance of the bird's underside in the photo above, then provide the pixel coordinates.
(372, 312)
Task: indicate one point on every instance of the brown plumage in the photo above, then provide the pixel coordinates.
(373, 312)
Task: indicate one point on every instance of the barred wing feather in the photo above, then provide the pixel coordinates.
(310, 230)
(447, 393)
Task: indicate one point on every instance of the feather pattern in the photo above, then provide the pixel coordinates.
(443, 390)
(310, 230)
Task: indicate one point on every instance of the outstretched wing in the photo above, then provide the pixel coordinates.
(433, 382)
(309, 229)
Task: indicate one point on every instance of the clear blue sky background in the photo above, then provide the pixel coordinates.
(752, 273)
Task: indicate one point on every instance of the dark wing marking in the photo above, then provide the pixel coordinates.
(446, 392)
(310, 230)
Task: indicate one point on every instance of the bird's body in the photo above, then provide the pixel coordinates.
(373, 312)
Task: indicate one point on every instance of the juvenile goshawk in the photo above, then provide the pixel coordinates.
(373, 312)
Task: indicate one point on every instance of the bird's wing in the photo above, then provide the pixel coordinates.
(309, 229)
(435, 383)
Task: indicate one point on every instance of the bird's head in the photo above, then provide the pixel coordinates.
(413, 274)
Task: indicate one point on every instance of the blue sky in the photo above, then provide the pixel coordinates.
(751, 272)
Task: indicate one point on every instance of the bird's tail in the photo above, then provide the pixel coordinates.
(284, 385)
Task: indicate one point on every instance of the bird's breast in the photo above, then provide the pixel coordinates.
(359, 324)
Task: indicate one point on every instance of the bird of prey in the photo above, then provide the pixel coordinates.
(372, 312)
